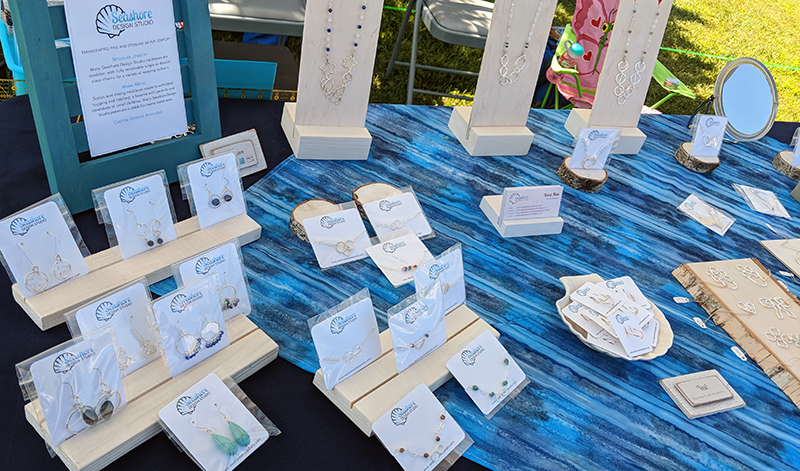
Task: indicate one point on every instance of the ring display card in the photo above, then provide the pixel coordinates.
(592, 148)
(763, 201)
(213, 189)
(701, 394)
(396, 212)
(400, 257)
(346, 338)
(715, 219)
(709, 132)
(417, 326)
(530, 202)
(487, 372)
(418, 431)
(338, 237)
(448, 269)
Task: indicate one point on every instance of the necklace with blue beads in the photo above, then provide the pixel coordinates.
(328, 84)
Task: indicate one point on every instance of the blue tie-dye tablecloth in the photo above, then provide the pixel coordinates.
(582, 410)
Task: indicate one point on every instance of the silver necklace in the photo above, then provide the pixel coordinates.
(499, 396)
(357, 351)
(591, 159)
(406, 266)
(434, 454)
(623, 93)
(421, 342)
(328, 85)
(711, 141)
(397, 223)
(506, 77)
(344, 247)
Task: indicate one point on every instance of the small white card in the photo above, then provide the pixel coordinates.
(412, 426)
(630, 334)
(576, 312)
(447, 268)
(708, 135)
(337, 238)
(593, 148)
(216, 190)
(244, 145)
(706, 214)
(233, 294)
(396, 212)
(530, 202)
(486, 371)
(607, 342)
(399, 258)
(627, 287)
(703, 390)
(417, 326)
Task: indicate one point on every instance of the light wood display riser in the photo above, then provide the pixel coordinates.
(490, 205)
(483, 141)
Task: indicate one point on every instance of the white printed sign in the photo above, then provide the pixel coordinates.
(532, 202)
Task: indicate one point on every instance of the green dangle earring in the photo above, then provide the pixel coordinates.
(225, 444)
(239, 434)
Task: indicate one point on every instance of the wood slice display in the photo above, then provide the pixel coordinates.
(305, 210)
(783, 163)
(695, 164)
(373, 192)
(590, 181)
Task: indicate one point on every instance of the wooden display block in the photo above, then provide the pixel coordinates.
(482, 141)
(695, 164)
(786, 251)
(782, 365)
(324, 142)
(490, 205)
(368, 394)
(108, 271)
(590, 181)
(149, 389)
(630, 140)
(783, 163)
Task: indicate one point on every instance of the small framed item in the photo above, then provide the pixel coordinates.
(338, 236)
(399, 255)
(127, 311)
(708, 134)
(346, 338)
(393, 213)
(137, 213)
(245, 146)
(226, 261)
(592, 148)
(420, 433)
(706, 214)
(701, 394)
(41, 247)
(417, 326)
(763, 201)
(77, 384)
(213, 189)
(488, 373)
(448, 269)
(216, 424)
(191, 324)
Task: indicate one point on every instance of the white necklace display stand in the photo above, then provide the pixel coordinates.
(316, 127)
(607, 113)
(496, 122)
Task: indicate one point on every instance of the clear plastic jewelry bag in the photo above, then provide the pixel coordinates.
(74, 385)
(126, 309)
(391, 214)
(226, 260)
(337, 237)
(709, 216)
(448, 268)
(213, 189)
(215, 423)
(191, 323)
(708, 133)
(41, 247)
(763, 201)
(137, 213)
(346, 338)
(399, 254)
(417, 326)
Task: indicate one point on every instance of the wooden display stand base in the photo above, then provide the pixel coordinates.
(695, 164)
(630, 140)
(780, 364)
(108, 271)
(490, 205)
(324, 142)
(368, 394)
(590, 181)
(783, 163)
(485, 141)
(148, 390)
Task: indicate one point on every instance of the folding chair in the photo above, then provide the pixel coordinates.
(281, 17)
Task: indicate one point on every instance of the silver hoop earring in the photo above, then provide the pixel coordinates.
(210, 332)
(61, 268)
(35, 280)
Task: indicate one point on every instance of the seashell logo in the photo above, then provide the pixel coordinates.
(613, 284)
(516, 198)
(204, 265)
(106, 310)
(328, 222)
(622, 319)
(711, 123)
(129, 193)
(112, 20)
(582, 292)
(338, 323)
(413, 312)
(387, 205)
(181, 301)
(469, 356)
(437, 269)
(21, 226)
(574, 307)
(208, 169)
(392, 247)
(186, 405)
(64, 362)
(400, 415)
(597, 135)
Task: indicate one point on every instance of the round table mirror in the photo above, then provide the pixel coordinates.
(745, 93)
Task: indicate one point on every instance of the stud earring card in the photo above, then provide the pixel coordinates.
(702, 393)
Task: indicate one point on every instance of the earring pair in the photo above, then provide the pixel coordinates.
(225, 444)
(36, 280)
(189, 344)
(155, 228)
(215, 200)
(102, 410)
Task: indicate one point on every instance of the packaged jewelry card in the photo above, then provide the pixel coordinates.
(702, 393)
(488, 373)
(213, 189)
(337, 237)
(346, 338)
(137, 213)
(40, 246)
(420, 433)
(191, 323)
(592, 148)
(127, 311)
(216, 424)
(448, 269)
(715, 219)
(74, 385)
(396, 212)
(398, 255)
(763, 201)
(226, 261)
(708, 134)
(417, 326)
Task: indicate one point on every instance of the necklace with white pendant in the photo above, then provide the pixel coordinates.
(506, 77)
(328, 84)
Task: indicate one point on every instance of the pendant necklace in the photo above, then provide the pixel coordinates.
(421, 342)
(406, 266)
(591, 159)
(434, 454)
(357, 351)
(622, 93)
(498, 396)
(711, 141)
(506, 77)
(328, 85)
(344, 247)
(397, 223)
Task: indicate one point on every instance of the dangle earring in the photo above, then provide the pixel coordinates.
(141, 229)
(35, 280)
(148, 349)
(87, 414)
(228, 302)
(155, 227)
(227, 194)
(190, 343)
(213, 199)
(210, 332)
(225, 444)
(61, 268)
(239, 434)
(124, 361)
(104, 407)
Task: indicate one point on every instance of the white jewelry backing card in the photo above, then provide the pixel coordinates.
(593, 148)
(392, 214)
(399, 258)
(709, 133)
(234, 294)
(338, 237)
(448, 269)
(417, 326)
(216, 189)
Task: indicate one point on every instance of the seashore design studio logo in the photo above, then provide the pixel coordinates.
(338, 323)
(437, 269)
(112, 20)
(328, 222)
(204, 265)
(186, 405)
(469, 356)
(400, 415)
(21, 226)
(64, 362)
(106, 310)
(413, 312)
(181, 301)
(129, 193)
(517, 198)
(208, 169)
(387, 205)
